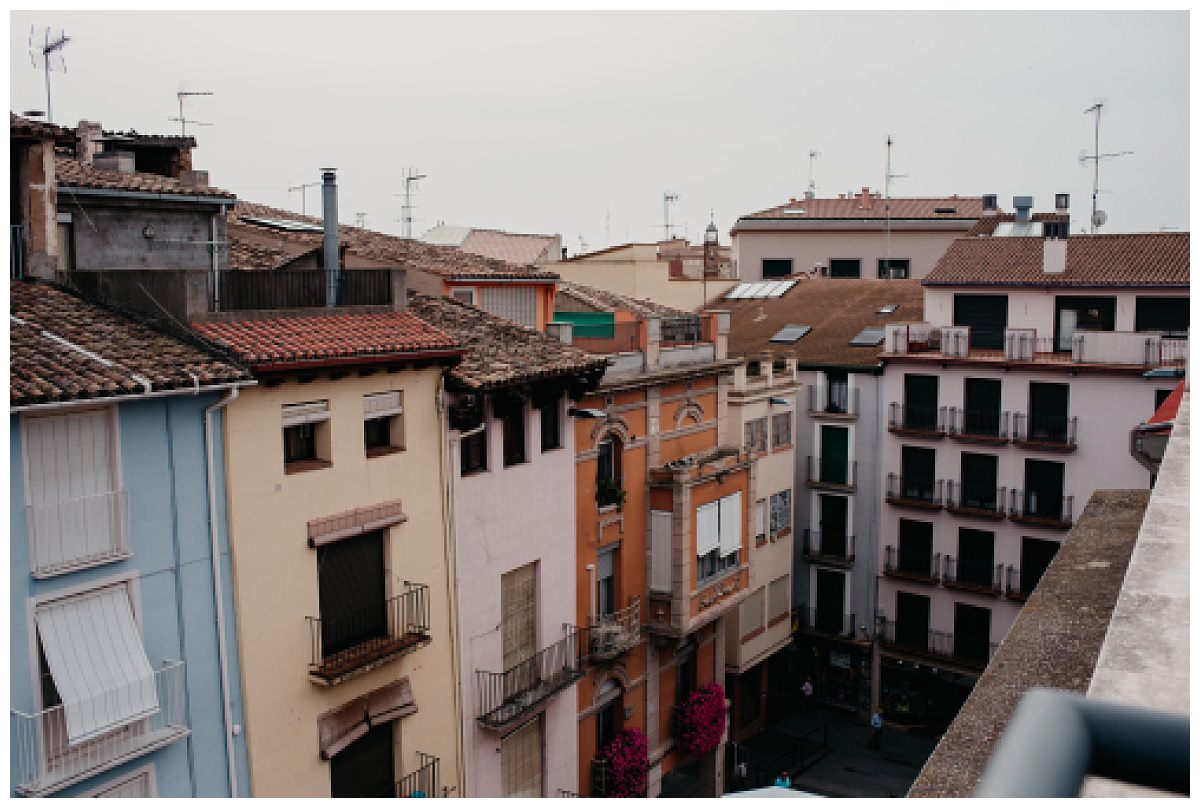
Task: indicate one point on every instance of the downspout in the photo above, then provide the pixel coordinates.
(218, 597)
(451, 559)
(216, 275)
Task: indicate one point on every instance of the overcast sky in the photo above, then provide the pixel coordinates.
(577, 123)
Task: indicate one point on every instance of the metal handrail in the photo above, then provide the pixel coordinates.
(1033, 505)
(1056, 430)
(923, 419)
(423, 782)
(977, 423)
(818, 400)
(925, 490)
(1055, 739)
(837, 623)
(910, 563)
(614, 634)
(832, 471)
(76, 532)
(972, 574)
(942, 644)
(502, 697)
(976, 498)
(399, 623)
(815, 546)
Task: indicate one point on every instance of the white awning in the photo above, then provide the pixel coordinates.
(310, 412)
(97, 661)
(708, 533)
(731, 523)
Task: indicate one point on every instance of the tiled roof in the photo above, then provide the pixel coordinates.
(964, 207)
(26, 128)
(252, 248)
(836, 309)
(1119, 259)
(500, 352)
(445, 262)
(139, 138)
(76, 174)
(588, 298)
(321, 337)
(513, 248)
(987, 225)
(64, 348)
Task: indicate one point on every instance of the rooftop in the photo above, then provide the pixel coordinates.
(70, 173)
(836, 309)
(513, 248)
(577, 297)
(1140, 260)
(500, 352)
(64, 348)
(867, 205)
(987, 224)
(27, 129)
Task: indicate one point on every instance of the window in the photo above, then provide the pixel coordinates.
(305, 436)
(1044, 489)
(464, 296)
(756, 435)
(917, 472)
(472, 446)
(760, 521)
(75, 506)
(516, 303)
(66, 243)
(1049, 404)
(781, 512)
(779, 598)
(365, 768)
(976, 552)
(512, 420)
(521, 761)
(845, 267)
(981, 407)
(611, 717)
(351, 587)
(972, 629)
(1036, 555)
(837, 386)
(1169, 315)
(916, 548)
(608, 472)
(979, 481)
(1160, 397)
(835, 455)
(986, 316)
(550, 428)
(751, 616)
(893, 268)
(776, 267)
(912, 620)
(781, 430)
(718, 536)
(383, 423)
(1055, 229)
(518, 621)
(606, 583)
(920, 402)
(1073, 314)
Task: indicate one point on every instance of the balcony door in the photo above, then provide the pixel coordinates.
(972, 632)
(978, 481)
(1073, 314)
(837, 391)
(835, 447)
(920, 401)
(1036, 555)
(831, 601)
(352, 592)
(915, 553)
(365, 768)
(981, 410)
(1044, 489)
(987, 317)
(912, 620)
(916, 472)
(1048, 411)
(833, 525)
(976, 554)
(518, 628)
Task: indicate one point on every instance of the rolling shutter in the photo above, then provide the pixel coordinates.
(708, 528)
(521, 761)
(310, 412)
(382, 405)
(518, 609)
(660, 551)
(516, 303)
(731, 524)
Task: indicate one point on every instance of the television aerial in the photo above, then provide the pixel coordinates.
(45, 51)
(183, 122)
(1099, 217)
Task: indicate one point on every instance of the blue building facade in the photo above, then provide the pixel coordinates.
(110, 522)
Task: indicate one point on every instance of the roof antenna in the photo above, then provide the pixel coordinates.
(301, 188)
(45, 51)
(669, 198)
(887, 270)
(811, 193)
(411, 176)
(183, 122)
(1099, 217)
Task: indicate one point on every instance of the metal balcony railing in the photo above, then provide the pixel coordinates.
(976, 424)
(424, 782)
(916, 420)
(501, 698)
(44, 760)
(913, 566)
(615, 338)
(917, 492)
(681, 330)
(969, 650)
(825, 621)
(346, 643)
(614, 634)
(831, 548)
(78, 532)
(1016, 587)
(835, 399)
(975, 500)
(838, 472)
(1045, 431)
(1035, 507)
(16, 252)
(971, 575)
(242, 290)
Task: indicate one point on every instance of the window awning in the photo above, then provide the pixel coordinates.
(99, 665)
(382, 405)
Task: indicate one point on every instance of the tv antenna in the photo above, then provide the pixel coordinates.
(45, 51)
(887, 209)
(669, 198)
(1099, 217)
(583, 245)
(360, 219)
(301, 188)
(183, 122)
(411, 177)
(813, 154)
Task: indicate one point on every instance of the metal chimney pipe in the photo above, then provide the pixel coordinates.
(329, 212)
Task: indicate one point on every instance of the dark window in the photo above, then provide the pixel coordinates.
(975, 556)
(513, 422)
(1055, 229)
(608, 723)
(845, 268)
(606, 583)
(350, 583)
(776, 267)
(1036, 555)
(893, 268)
(551, 438)
(365, 768)
(1160, 396)
(1170, 315)
(981, 414)
(50, 697)
(835, 464)
(1044, 489)
(972, 630)
(987, 317)
(920, 401)
(833, 525)
(685, 673)
(915, 553)
(837, 386)
(912, 620)
(66, 246)
(299, 443)
(979, 481)
(473, 447)
(608, 471)
(377, 434)
(1073, 314)
(1048, 404)
(917, 472)
(831, 594)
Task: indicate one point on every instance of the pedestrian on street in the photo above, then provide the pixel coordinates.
(783, 781)
(876, 731)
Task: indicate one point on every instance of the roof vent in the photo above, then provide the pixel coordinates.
(888, 309)
(945, 210)
(1024, 208)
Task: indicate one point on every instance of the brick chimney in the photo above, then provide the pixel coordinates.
(87, 140)
(864, 199)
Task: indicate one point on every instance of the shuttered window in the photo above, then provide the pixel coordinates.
(660, 551)
(751, 617)
(781, 511)
(708, 528)
(731, 523)
(781, 430)
(518, 610)
(778, 600)
(516, 303)
(76, 510)
(521, 761)
(760, 519)
(756, 435)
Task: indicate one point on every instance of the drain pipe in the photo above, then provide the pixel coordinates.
(450, 554)
(218, 597)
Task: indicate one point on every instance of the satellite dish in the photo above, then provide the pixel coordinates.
(1099, 218)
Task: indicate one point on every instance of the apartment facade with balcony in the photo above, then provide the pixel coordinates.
(1007, 406)
(123, 657)
(511, 463)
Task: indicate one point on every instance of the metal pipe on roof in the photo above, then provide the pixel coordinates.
(329, 214)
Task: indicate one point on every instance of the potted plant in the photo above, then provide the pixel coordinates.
(626, 761)
(609, 492)
(701, 719)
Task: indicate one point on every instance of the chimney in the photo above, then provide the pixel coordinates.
(864, 199)
(87, 140)
(1054, 256)
(329, 211)
(564, 253)
(122, 162)
(194, 179)
(1023, 205)
(810, 195)
(989, 203)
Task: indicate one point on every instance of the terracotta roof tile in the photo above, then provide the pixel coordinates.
(513, 248)
(25, 128)
(1118, 259)
(317, 337)
(964, 207)
(500, 352)
(109, 351)
(987, 225)
(590, 298)
(71, 173)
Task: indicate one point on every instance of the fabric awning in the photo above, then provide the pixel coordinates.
(96, 658)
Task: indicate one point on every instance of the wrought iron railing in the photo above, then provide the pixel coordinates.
(614, 634)
(44, 760)
(976, 500)
(1036, 507)
(73, 533)
(502, 697)
(826, 546)
(1049, 430)
(904, 563)
(966, 649)
(931, 420)
(16, 252)
(924, 492)
(241, 290)
(347, 642)
(424, 782)
(833, 399)
(826, 621)
(977, 576)
(832, 470)
(977, 424)
(1017, 587)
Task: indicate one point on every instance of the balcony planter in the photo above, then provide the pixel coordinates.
(701, 720)
(625, 762)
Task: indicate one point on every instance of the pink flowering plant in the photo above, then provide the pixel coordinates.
(628, 760)
(701, 719)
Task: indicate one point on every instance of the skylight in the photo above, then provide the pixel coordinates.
(789, 334)
(888, 309)
(867, 338)
(284, 224)
(750, 291)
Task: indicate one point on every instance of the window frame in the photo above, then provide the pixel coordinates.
(791, 265)
(781, 418)
(884, 266)
(551, 406)
(320, 436)
(756, 435)
(514, 435)
(394, 424)
(857, 267)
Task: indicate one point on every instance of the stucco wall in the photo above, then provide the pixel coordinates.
(636, 272)
(110, 236)
(1034, 308)
(806, 249)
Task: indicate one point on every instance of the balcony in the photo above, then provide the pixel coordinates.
(972, 576)
(836, 402)
(685, 330)
(1040, 510)
(354, 643)
(1016, 587)
(969, 500)
(832, 473)
(909, 566)
(1051, 433)
(614, 634)
(424, 782)
(45, 761)
(607, 338)
(965, 650)
(76, 533)
(822, 621)
(917, 422)
(502, 698)
(974, 426)
(834, 550)
(921, 493)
